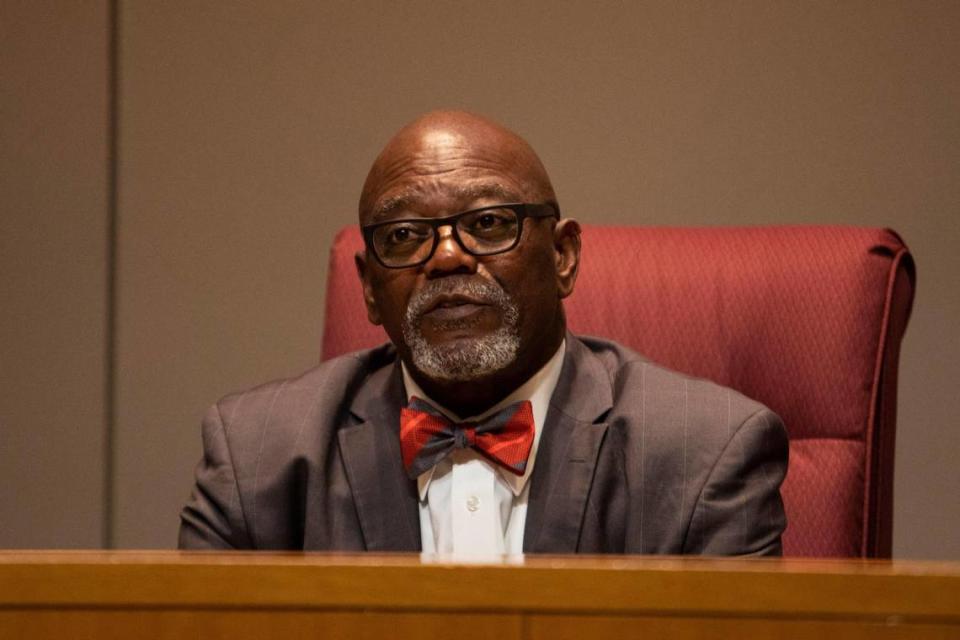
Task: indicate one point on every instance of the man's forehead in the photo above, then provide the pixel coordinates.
(446, 162)
(412, 198)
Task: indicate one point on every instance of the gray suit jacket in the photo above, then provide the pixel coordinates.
(634, 458)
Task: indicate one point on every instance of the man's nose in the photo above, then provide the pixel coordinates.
(449, 257)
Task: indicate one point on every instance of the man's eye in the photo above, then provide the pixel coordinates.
(490, 221)
(404, 234)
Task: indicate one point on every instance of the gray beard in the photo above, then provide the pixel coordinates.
(466, 359)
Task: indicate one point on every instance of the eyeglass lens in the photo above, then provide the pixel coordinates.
(481, 232)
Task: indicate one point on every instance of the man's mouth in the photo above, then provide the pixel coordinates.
(455, 306)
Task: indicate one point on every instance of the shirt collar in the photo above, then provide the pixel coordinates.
(538, 389)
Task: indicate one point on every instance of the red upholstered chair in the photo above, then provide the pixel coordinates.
(807, 320)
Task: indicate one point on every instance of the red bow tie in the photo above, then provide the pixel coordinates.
(427, 436)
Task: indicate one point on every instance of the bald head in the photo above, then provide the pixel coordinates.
(453, 151)
(472, 316)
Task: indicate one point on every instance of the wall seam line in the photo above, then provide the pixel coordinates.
(113, 61)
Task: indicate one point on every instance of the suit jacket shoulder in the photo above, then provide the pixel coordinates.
(687, 466)
(272, 475)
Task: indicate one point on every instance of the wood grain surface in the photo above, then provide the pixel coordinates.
(236, 595)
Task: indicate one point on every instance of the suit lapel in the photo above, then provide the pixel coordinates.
(385, 498)
(567, 454)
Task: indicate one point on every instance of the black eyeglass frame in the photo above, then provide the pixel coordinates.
(520, 209)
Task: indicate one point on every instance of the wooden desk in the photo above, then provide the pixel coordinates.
(108, 595)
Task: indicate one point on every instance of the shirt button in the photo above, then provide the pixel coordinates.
(473, 503)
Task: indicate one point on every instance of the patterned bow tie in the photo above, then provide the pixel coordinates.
(427, 436)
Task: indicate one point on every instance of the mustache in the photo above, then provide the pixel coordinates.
(475, 287)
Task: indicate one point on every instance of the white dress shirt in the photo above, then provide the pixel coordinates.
(470, 506)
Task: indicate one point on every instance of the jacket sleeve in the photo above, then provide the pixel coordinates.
(740, 511)
(213, 516)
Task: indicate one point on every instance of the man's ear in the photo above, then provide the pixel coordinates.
(566, 243)
(373, 314)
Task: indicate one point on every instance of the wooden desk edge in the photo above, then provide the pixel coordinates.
(919, 591)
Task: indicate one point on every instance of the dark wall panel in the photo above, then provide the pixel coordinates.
(54, 125)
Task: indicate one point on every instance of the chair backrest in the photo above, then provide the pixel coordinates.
(807, 320)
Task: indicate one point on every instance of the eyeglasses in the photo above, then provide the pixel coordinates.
(410, 242)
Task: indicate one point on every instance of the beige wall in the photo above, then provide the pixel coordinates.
(246, 130)
(54, 192)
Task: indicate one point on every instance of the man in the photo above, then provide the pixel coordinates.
(485, 427)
